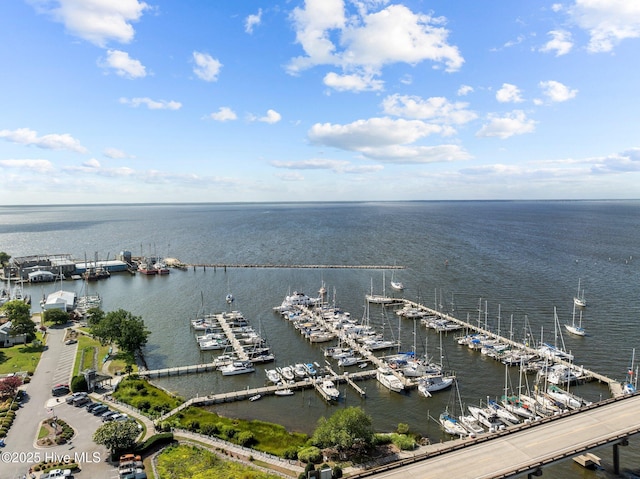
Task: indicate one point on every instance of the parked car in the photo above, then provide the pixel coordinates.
(70, 341)
(81, 401)
(75, 396)
(107, 414)
(60, 390)
(99, 410)
(56, 473)
(92, 406)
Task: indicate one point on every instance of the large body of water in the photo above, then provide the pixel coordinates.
(520, 259)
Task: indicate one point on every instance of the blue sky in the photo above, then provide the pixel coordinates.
(106, 101)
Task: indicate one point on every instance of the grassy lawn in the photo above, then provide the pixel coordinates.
(149, 399)
(86, 357)
(191, 462)
(267, 437)
(20, 357)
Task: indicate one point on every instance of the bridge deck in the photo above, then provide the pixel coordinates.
(525, 448)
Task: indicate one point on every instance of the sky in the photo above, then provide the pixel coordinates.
(131, 101)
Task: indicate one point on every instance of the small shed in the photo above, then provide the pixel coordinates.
(41, 276)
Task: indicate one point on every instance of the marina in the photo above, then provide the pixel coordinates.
(520, 277)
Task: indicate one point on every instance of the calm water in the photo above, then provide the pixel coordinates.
(521, 259)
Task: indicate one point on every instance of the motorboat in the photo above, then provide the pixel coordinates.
(237, 367)
(435, 382)
(487, 417)
(255, 398)
(347, 361)
(284, 392)
(273, 376)
(330, 390)
(389, 380)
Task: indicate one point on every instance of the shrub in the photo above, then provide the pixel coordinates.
(79, 383)
(310, 455)
(402, 428)
(246, 438)
(337, 472)
(210, 429)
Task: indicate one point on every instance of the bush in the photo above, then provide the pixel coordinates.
(246, 439)
(402, 428)
(144, 405)
(79, 383)
(337, 472)
(310, 455)
(210, 429)
(153, 441)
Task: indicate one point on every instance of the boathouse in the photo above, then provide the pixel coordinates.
(41, 276)
(7, 340)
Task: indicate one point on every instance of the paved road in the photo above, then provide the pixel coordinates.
(55, 366)
(537, 444)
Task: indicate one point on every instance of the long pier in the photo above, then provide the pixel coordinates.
(291, 266)
(248, 393)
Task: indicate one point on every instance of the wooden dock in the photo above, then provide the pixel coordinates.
(245, 394)
(224, 266)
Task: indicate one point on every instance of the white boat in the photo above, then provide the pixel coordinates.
(579, 299)
(213, 344)
(471, 424)
(347, 361)
(503, 413)
(451, 425)
(284, 392)
(565, 397)
(379, 298)
(630, 386)
(389, 380)
(255, 398)
(435, 382)
(574, 328)
(311, 370)
(273, 376)
(487, 417)
(397, 285)
(287, 373)
(299, 370)
(329, 389)
(237, 367)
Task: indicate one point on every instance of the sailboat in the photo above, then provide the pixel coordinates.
(630, 386)
(379, 298)
(574, 328)
(397, 285)
(579, 299)
(448, 420)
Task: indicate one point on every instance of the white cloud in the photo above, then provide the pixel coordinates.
(437, 109)
(556, 91)
(116, 154)
(365, 42)
(97, 21)
(514, 123)
(39, 166)
(464, 90)
(124, 65)
(152, 104)
(374, 132)
(560, 43)
(608, 22)
(337, 166)
(387, 140)
(353, 82)
(224, 113)
(207, 68)
(252, 20)
(271, 117)
(26, 136)
(509, 94)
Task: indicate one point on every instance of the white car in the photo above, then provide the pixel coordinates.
(55, 473)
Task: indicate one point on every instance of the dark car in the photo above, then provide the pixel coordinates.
(92, 406)
(60, 390)
(101, 409)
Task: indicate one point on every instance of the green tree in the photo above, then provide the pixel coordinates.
(347, 429)
(19, 313)
(56, 316)
(124, 329)
(117, 435)
(4, 258)
(94, 316)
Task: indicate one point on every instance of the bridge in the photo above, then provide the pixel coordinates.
(524, 449)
